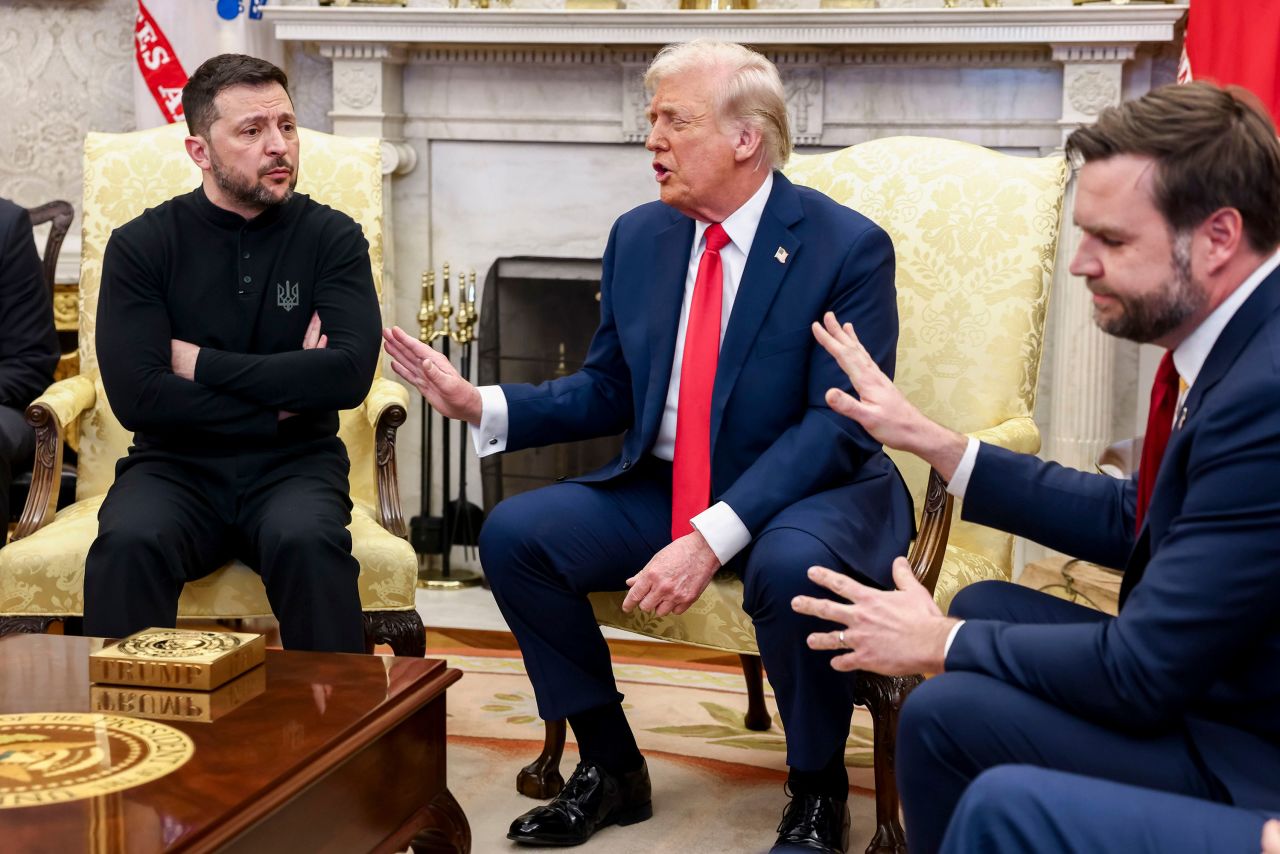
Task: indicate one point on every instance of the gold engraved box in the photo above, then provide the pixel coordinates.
(177, 659)
(159, 704)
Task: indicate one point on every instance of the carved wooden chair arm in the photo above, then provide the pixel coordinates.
(51, 414)
(386, 407)
(930, 545)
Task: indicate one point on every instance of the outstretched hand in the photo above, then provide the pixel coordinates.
(881, 409)
(427, 370)
(894, 632)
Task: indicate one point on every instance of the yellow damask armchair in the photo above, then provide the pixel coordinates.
(975, 233)
(42, 570)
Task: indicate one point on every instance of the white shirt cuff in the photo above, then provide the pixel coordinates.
(723, 531)
(951, 638)
(490, 437)
(960, 478)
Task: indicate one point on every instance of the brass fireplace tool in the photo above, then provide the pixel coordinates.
(459, 520)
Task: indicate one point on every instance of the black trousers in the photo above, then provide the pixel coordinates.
(172, 518)
(17, 444)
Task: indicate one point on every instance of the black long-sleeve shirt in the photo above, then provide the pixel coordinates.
(28, 341)
(244, 292)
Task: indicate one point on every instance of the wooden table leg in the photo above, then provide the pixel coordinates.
(448, 829)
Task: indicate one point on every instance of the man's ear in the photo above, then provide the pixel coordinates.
(747, 143)
(198, 151)
(1224, 236)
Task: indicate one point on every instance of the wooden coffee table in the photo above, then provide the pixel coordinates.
(338, 753)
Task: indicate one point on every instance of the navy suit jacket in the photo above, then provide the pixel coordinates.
(775, 443)
(1196, 647)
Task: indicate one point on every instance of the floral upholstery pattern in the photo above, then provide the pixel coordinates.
(975, 233)
(124, 174)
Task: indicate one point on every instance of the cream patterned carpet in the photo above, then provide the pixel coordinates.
(717, 785)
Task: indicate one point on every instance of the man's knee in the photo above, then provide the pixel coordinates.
(995, 806)
(777, 568)
(978, 600)
(932, 716)
(133, 550)
(304, 536)
(511, 535)
(1004, 786)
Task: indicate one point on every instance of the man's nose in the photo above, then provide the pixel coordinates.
(275, 142)
(654, 141)
(1085, 262)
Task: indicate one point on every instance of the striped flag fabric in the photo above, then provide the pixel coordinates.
(172, 38)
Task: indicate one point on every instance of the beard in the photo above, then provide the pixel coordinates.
(252, 193)
(1147, 318)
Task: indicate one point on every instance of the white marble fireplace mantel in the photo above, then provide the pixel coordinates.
(517, 132)
(759, 27)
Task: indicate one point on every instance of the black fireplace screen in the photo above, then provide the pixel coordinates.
(536, 321)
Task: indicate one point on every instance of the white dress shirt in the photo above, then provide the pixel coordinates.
(1188, 359)
(723, 530)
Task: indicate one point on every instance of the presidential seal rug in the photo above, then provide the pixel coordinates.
(717, 785)
(57, 757)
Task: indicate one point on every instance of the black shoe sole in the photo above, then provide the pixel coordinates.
(633, 815)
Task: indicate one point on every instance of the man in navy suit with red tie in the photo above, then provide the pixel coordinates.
(731, 458)
(1178, 200)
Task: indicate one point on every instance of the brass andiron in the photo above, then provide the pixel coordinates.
(438, 322)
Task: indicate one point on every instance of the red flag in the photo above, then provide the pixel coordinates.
(1231, 42)
(158, 63)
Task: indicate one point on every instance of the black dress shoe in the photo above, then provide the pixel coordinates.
(814, 823)
(591, 799)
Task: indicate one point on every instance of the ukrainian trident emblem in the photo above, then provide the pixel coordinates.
(287, 295)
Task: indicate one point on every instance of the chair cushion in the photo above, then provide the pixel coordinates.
(715, 621)
(44, 574)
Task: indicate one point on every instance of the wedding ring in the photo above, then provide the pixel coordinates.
(843, 645)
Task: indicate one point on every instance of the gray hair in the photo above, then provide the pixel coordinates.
(751, 92)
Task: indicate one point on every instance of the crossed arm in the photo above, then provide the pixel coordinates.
(184, 355)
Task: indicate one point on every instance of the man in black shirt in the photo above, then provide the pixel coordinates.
(233, 323)
(28, 345)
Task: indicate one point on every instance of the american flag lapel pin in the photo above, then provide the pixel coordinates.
(781, 255)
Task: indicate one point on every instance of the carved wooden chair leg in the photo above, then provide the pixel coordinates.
(401, 630)
(541, 778)
(25, 625)
(883, 695)
(757, 717)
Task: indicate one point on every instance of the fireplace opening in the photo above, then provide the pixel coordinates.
(536, 321)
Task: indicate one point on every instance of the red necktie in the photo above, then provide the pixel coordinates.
(691, 468)
(1164, 398)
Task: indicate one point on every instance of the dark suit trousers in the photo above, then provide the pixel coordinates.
(172, 518)
(544, 551)
(17, 444)
(1018, 808)
(959, 724)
